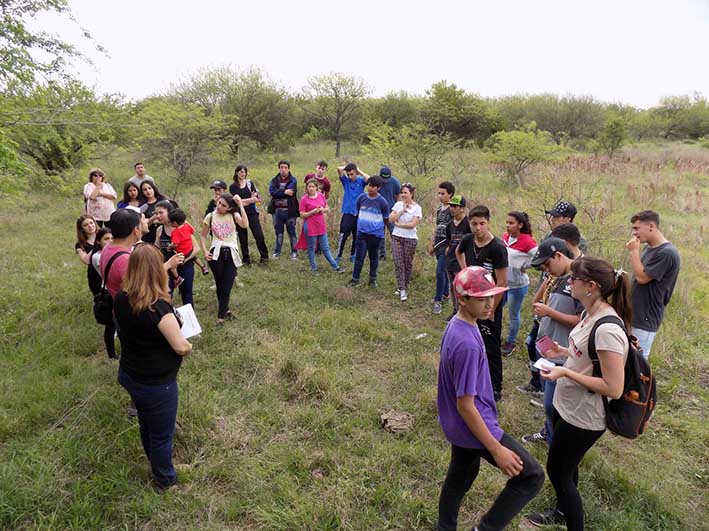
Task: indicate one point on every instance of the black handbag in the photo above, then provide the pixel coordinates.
(103, 302)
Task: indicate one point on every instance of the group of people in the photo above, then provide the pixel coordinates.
(145, 248)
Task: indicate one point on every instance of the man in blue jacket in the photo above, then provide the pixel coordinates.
(284, 207)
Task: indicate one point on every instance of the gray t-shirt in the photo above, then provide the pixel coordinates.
(560, 299)
(649, 300)
(137, 181)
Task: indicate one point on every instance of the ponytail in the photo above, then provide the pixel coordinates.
(613, 283)
(620, 298)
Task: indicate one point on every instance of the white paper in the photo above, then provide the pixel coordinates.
(190, 324)
(544, 365)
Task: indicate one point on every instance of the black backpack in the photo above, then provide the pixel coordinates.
(628, 415)
(103, 302)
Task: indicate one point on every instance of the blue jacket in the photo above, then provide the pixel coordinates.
(274, 188)
(390, 189)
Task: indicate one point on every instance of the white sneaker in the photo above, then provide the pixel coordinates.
(403, 295)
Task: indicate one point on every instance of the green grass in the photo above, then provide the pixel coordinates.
(279, 410)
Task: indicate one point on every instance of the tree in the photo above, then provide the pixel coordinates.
(180, 135)
(25, 53)
(518, 150)
(395, 109)
(613, 136)
(332, 100)
(411, 147)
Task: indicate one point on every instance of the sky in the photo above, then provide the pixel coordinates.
(629, 51)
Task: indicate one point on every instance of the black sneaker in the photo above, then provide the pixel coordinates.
(373, 284)
(353, 283)
(497, 395)
(539, 436)
(530, 389)
(551, 517)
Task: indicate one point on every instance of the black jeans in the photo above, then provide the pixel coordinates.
(257, 233)
(491, 330)
(109, 333)
(224, 272)
(568, 446)
(462, 471)
(186, 271)
(348, 225)
(533, 356)
(366, 244)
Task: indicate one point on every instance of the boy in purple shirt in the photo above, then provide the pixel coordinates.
(468, 415)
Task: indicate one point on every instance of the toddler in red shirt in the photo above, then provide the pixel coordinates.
(181, 237)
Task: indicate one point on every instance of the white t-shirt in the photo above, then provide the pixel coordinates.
(572, 400)
(407, 216)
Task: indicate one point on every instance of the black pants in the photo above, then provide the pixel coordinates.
(109, 333)
(462, 471)
(224, 272)
(491, 330)
(568, 446)
(257, 233)
(348, 225)
(533, 355)
(367, 244)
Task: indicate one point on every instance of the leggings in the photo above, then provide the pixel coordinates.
(403, 250)
(257, 233)
(568, 447)
(224, 272)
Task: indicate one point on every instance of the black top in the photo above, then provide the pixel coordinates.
(492, 256)
(245, 193)
(211, 207)
(661, 263)
(149, 209)
(455, 233)
(92, 275)
(146, 355)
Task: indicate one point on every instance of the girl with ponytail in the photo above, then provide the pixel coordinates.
(579, 415)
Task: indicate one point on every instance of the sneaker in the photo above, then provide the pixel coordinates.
(132, 412)
(508, 348)
(353, 283)
(229, 316)
(205, 270)
(338, 269)
(535, 437)
(238, 283)
(551, 517)
(437, 307)
(403, 296)
(383, 257)
(352, 258)
(294, 256)
(178, 281)
(263, 261)
(276, 256)
(536, 403)
(397, 291)
(530, 389)
(373, 283)
(497, 396)
(315, 272)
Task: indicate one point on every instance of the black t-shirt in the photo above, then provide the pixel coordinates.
(454, 234)
(211, 207)
(661, 263)
(149, 209)
(244, 193)
(146, 355)
(492, 256)
(92, 275)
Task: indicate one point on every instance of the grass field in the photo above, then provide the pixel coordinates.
(278, 420)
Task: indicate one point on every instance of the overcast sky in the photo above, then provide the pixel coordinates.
(631, 51)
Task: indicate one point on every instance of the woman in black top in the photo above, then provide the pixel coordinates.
(249, 195)
(152, 197)
(153, 347)
(86, 228)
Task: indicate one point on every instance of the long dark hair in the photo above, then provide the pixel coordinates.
(158, 195)
(127, 187)
(522, 218)
(614, 284)
(237, 170)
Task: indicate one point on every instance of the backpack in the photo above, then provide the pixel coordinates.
(628, 415)
(103, 302)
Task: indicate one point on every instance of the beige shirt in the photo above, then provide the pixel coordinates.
(572, 400)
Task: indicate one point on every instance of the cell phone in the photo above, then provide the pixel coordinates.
(545, 344)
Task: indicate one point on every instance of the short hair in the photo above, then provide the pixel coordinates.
(123, 221)
(138, 164)
(375, 180)
(448, 187)
(283, 161)
(646, 216)
(177, 215)
(96, 172)
(321, 163)
(102, 232)
(479, 211)
(568, 232)
(350, 167)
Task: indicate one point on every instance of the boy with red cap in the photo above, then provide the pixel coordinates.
(468, 415)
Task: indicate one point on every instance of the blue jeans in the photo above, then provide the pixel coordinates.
(645, 338)
(549, 388)
(515, 298)
(157, 413)
(383, 244)
(366, 244)
(324, 245)
(281, 221)
(441, 278)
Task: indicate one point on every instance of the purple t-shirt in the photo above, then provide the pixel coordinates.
(464, 371)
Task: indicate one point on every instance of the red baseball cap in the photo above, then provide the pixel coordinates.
(475, 281)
